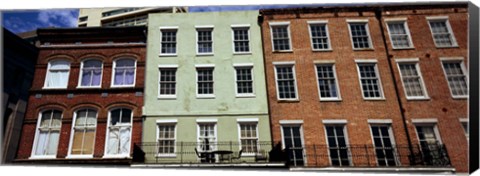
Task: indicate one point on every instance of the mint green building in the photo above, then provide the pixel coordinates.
(205, 88)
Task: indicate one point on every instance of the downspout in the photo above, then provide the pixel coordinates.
(378, 15)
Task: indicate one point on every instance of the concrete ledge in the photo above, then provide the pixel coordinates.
(380, 169)
(209, 165)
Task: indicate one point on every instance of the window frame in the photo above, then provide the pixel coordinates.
(391, 135)
(465, 121)
(249, 121)
(277, 24)
(168, 96)
(427, 123)
(367, 29)
(166, 122)
(459, 60)
(213, 122)
(204, 28)
(377, 72)
(47, 77)
(37, 131)
(81, 74)
(332, 63)
(244, 66)
(114, 66)
(449, 28)
(72, 131)
(241, 26)
(422, 82)
(107, 131)
(294, 123)
(344, 128)
(319, 23)
(168, 28)
(204, 66)
(286, 64)
(407, 32)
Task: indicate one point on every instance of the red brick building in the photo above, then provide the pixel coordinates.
(336, 96)
(85, 104)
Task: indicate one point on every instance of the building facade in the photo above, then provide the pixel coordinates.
(337, 98)
(205, 87)
(85, 103)
(121, 16)
(19, 59)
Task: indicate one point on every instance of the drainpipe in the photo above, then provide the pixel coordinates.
(378, 15)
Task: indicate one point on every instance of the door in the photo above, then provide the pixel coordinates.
(384, 149)
(293, 141)
(429, 144)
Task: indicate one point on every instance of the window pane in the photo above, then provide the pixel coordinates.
(319, 36)
(360, 37)
(327, 81)
(457, 80)
(281, 40)
(369, 80)
(286, 82)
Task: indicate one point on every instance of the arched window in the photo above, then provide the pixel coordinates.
(91, 73)
(119, 132)
(47, 134)
(83, 132)
(57, 74)
(123, 73)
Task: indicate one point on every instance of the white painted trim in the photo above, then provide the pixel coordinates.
(357, 20)
(35, 140)
(274, 24)
(464, 70)
(239, 135)
(449, 28)
(395, 19)
(279, 23)
(436, 17)
(310, 23)
(204, 26)
(80, 76)
(167, 96)
(48, 74)
(366, 61)
(249, 66)
(166, 121)
(213, 147)
(407, 31)
(377, 72)
(168, 66)
(168, 27)
(338, 98)
(105, 154)
(317, 22)
(166, 155)
(240, 25)
(451, 58)
(212, 66)
(242, 64)
(297, 97)
(350, 162)
(207, 120)
(334, 121)
(435, 131)
(465, 120)
(422, 83)
(134, 72)
(430, 120)
(407, 60)
(40, 157)
(284, 63)
(72, 132)
(291, 121)
(70, 156)
(301, 139)
(324, 61)
(392, 140)
(247, 120)
(204, 65)
(367, 29)
(379, 121)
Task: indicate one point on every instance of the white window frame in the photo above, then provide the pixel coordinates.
(81, 74)
(212, 66)
(427, 122)
(204, 28)
(314, 23)
(347, 143)
(464, 70)
(106, 155)
(339, 97)
(207, 121)
(245, 27)
(168, 28)
(37, 131)
(449, 28)
(114, 65)
(173, 66)
(166, 122)
(244, 66)
(284, 64)
(407, 31)
(422, 82)
(72, 131)
(357, 21)
(388, 123)
(287, 123)
(274, 24)
(465, 121)
(377, 72)
(249, 121)
(45, 85)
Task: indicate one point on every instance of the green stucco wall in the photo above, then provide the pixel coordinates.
(186, 108)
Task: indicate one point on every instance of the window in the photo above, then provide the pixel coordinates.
(204, 40)
(384, 146)
(166, 139)
(412, 80)
(207, 136)
(465, 129)
(124, 73)
(249, 137)
(47, 134)
(83, 132)
(430, 143)
(244, 80)
(337, 145)
(91, 73)
(168, 44)
(441, 32)
(280, 36)
(327, 84)
(57, 75)
(457, 80)
(293, 142)
(399, 34)
(286, 84)
(241, 37)
(360, 35)
(167, 87)
(370, 82)
(319, 36)
(205, 82)
(119, 132)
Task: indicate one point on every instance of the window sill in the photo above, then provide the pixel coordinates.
(282, 51)
(205, 96)
(332, 100)
(407, 48)
(288, 100)
(167, 97)
(363, 49)
(79, 157)
(116, 156)
(460, 97)
(91, 87)
(245, 53)
(322, 50)
(122, 86)
(53, 88)
(167, 55)
(446, 47)
(245, 96)
(204, 54)
(43, 157)
(166, 155)
(374, 99)
(418, 99)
